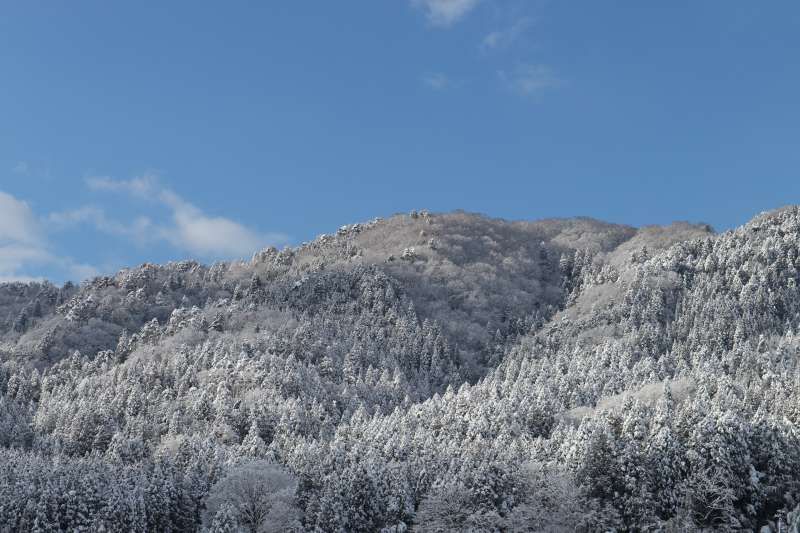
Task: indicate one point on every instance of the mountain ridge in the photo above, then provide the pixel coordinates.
(348, 246)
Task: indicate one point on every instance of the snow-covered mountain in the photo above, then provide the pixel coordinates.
(426, 372)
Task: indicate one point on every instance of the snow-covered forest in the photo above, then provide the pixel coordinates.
(424, 372)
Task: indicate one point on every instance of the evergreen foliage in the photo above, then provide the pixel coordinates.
(563, 375)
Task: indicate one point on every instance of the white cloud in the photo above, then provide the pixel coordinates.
(139, 229)
(445, 12)
(529, 79)
(23, 245)
(17, 222)
(208, 236)
(15, 258)
(80, 271)
(67, 219)
(436, 81)
(507, 36)
(191, 229)
(21, 238)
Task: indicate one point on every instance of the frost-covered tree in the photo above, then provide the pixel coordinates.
(257, 496)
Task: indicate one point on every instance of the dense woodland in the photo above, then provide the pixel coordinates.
(426, 372)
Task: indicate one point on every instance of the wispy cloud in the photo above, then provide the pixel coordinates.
(22, 167)
(445, 13)
(207, 235)
(32, 170)
(21, 239)
(23, 245)
(530, 79)
(190, 229)
(436, 81)
(139, 230)
(506, 37)
(141, 186)
(18, 224)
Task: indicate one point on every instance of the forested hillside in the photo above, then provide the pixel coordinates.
(425, 372)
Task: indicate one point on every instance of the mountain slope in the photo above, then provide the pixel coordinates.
(427, 370)
(470, 274)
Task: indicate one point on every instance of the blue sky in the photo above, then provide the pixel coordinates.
(151, 131)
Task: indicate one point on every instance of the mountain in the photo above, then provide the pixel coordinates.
(425, 372)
